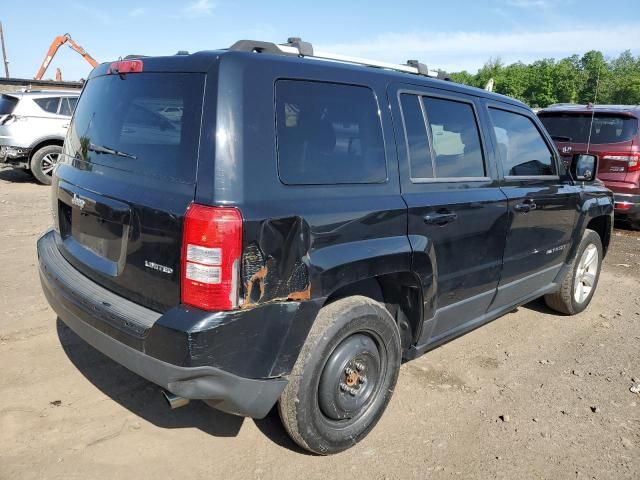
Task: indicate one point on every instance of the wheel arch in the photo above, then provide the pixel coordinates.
(399, 292)
(45, 142)
(602, 225)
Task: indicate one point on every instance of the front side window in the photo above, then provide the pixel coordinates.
(328, 133)
(522, 149)
(48, 104)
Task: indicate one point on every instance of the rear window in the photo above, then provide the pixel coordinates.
(7, 104)
(328, 134)
(48, 104)
(606, 128)
(130, 114)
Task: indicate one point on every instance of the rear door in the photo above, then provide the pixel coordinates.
(457, 212)
(542, 207)
(127, 176)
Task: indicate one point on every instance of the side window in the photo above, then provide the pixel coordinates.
(66, 106)
(419, 152)
(456, 141)
(522, 149)
(328, 133)
(48, 104)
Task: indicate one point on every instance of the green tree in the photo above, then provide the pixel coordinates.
(574, 79)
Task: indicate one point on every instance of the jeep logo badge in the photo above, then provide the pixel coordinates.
(78, 202)
(566, 149)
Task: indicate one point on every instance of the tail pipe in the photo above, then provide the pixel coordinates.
(174, 401)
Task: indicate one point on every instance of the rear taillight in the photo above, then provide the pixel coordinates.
(623, 205)
(632, 159)
(126, 66)
(211, 249)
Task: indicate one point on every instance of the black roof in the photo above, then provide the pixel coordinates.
(203, 61)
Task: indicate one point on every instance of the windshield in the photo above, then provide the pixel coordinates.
(7, 104)
(607, 128)
(146, 123)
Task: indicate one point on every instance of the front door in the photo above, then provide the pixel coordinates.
(542, 207)
(457, 212)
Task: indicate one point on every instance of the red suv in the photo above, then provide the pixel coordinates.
(613, 137)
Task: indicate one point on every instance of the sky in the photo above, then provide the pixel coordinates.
(450, 35)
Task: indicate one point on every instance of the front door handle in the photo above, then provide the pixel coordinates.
(440, 219)
(526, 206)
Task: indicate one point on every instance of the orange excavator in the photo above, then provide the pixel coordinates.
(55, 45)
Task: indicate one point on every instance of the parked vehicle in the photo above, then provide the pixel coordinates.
(305, 226)
(32, 129)
(610, 132)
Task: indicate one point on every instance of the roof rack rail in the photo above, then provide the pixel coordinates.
(296, 47)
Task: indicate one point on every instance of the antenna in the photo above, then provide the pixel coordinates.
(593, 109)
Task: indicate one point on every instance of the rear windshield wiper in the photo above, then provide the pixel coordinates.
(104, 149)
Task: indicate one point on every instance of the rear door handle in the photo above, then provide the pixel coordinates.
(440, 219)
(526, 206)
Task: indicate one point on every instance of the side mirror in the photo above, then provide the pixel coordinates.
(584, 167)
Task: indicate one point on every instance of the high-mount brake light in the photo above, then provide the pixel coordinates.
(632, 159)
(126, 66)
(211, 249)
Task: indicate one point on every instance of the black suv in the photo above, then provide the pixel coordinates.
(297, 227)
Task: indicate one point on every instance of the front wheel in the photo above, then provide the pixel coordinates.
(578, 287)
(344, 376)
(43, 161)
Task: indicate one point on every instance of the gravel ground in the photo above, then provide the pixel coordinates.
(531, 395)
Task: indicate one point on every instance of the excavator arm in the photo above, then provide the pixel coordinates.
(53, 49)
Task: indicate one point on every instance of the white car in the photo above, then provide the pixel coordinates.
(32, 129)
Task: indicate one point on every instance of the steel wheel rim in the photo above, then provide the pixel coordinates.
(49, 162)
(351, 378)
(586, 274)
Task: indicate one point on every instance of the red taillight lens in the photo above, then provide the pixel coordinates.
(211, 249)
(126, 66)
(632, 159)
(623, 205)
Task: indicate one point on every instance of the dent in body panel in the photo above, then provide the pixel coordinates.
(274, 267)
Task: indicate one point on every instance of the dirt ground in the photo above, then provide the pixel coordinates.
(531, 395)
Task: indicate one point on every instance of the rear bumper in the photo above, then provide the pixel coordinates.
(193, 354)
(627, 206)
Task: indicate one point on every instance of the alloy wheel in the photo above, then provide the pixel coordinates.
(586, 274)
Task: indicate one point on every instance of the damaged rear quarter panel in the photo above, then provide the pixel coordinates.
(274, 265)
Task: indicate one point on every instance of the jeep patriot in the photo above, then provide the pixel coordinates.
(299, 225)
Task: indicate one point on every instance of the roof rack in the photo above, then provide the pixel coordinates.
(296, 47)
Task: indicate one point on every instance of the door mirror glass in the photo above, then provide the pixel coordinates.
(584, 167)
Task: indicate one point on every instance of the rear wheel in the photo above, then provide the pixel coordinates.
(43, 161)
(578, 287)
(344, 376)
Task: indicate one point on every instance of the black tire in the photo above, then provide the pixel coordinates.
(564, 300)
(40, 163)
(319, 410)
